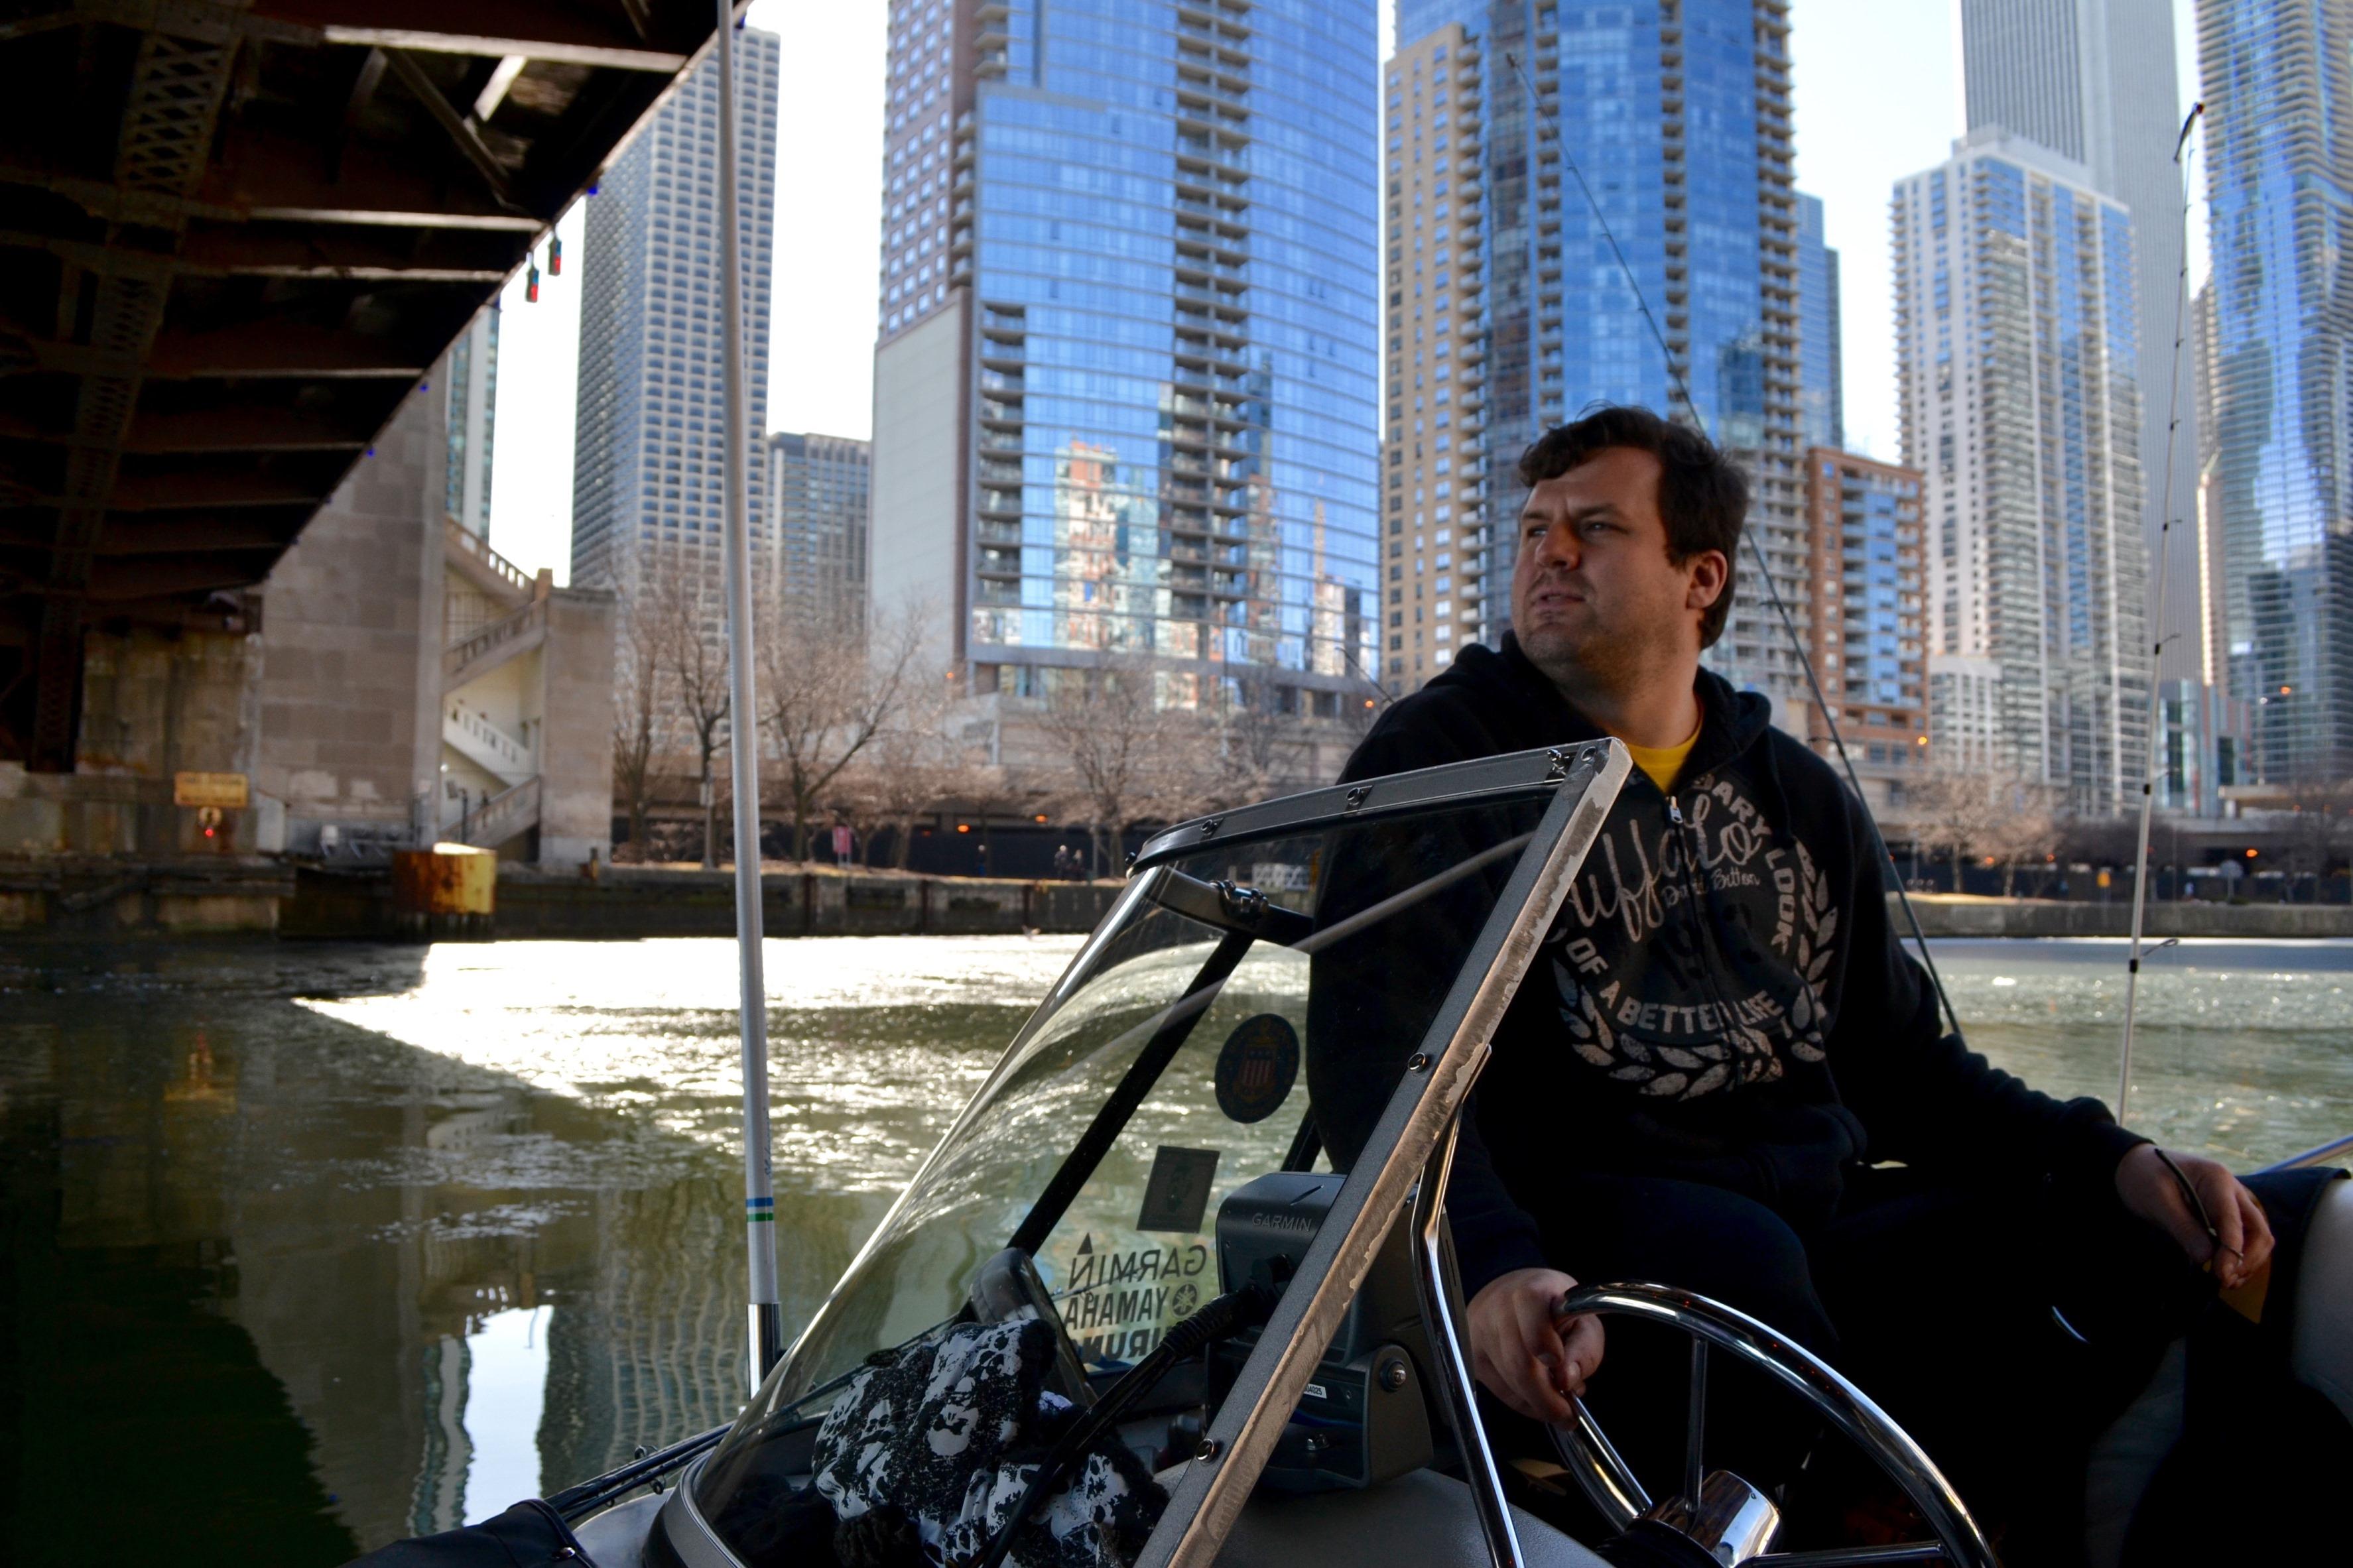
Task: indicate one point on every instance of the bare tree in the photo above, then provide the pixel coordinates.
(2022, 828)
(1956, 812)
(2317, 825)
(638, 710)
(1130, 760)
(1251, 732)
(824, 698)
(905, 771)
(693, 651)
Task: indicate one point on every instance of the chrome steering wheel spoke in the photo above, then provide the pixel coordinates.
(1610, 1485)
(1696, 1422)
(1608, 1481)
(1852, 1556)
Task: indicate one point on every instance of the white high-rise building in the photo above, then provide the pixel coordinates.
(2094, 80)
(2015, 349)
(650, 448)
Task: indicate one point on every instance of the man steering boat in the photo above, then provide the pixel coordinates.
(1724, 1071)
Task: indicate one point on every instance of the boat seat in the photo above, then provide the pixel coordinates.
(1422, 1518)
(2126, 1459)
(617, 1537)
(2322, 1357)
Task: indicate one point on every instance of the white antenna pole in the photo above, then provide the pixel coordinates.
(2157, 642)
(744, 749)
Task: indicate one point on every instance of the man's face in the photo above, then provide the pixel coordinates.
(1593, 597)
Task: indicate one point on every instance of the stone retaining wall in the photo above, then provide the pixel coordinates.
(629, 902)
(102, 900)
(1944, 915)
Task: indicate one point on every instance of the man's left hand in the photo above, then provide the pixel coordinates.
(2149, 1190)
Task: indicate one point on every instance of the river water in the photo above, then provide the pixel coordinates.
(308, 1248)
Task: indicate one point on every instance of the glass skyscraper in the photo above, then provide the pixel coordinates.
(817, 495)
(470, 379)
(1677, 115)
(2278, 85)
(2017, 374)
(651, 432)
(1124, 393)
(1822, 388)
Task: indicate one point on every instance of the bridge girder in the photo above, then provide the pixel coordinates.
(235, 239)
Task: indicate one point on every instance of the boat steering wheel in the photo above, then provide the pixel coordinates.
(1729, 1520)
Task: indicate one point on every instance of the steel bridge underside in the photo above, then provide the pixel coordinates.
(232, 238)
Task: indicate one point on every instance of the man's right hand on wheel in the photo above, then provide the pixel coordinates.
(1527, 1356)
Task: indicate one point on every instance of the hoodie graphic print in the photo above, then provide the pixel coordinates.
(1693, 952)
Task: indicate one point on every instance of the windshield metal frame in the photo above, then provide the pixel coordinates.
(1579, 773)
(1210, 1496)
(1449, 784)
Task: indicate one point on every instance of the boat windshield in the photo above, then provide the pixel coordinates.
(1168, 1067)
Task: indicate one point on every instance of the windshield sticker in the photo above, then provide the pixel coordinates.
(1117, 1301)
(1257, 1068)
(1178, 1193)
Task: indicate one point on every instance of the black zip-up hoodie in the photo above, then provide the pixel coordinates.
(1723, 998)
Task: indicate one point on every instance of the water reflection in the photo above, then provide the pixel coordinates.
(505, 1366)
(347, 1242)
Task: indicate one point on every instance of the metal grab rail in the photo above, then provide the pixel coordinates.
(573, 1503)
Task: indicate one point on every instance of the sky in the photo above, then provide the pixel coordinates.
(1878, 96)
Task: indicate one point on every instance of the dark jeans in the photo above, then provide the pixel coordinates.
(1938, 1300)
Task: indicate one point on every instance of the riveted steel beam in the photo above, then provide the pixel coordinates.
(169, 117)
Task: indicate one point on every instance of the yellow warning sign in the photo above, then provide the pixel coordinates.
(229, 791)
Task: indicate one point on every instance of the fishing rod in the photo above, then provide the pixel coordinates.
(1763, 568)
(2157, 645)
(767, 1333)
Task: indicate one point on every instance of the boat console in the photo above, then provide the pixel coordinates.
(1142, 1150)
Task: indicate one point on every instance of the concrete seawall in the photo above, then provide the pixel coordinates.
(108, 900)
(631, 902)
(1941, 914)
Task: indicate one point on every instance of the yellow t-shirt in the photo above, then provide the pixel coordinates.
(1663, 762)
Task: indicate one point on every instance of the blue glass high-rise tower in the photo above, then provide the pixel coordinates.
(1677, 114)
(1821, 393)
(2278, 85)
(1124, 392)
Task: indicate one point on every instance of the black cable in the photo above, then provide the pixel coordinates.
(1763, 568)
(1219, 1318)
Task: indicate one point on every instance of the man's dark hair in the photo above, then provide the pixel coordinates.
(1702, 498)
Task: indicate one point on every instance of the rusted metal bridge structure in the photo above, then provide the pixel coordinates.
(233, 237)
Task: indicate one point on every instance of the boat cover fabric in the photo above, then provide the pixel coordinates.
(528, 1535)
(946, 1436)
